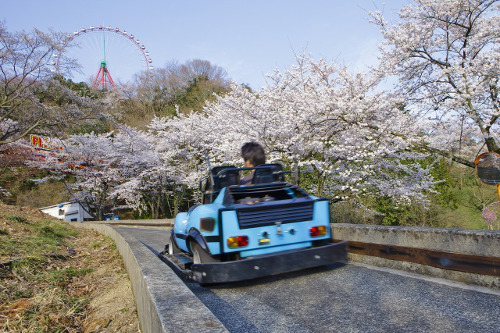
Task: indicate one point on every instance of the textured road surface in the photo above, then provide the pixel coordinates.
(345, 298)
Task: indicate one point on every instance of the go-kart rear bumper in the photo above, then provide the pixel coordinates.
(270, 264)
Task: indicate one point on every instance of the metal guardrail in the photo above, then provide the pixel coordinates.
(444, 260)
(464, 255)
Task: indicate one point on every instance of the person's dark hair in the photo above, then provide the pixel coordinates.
(254, 153)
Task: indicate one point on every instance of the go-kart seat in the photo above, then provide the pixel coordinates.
(225, 178)
(267, 173)
(222, 178)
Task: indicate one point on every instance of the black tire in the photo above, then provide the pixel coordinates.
(172, 247)
(200, 256)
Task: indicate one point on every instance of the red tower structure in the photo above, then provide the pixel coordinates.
(103, 78)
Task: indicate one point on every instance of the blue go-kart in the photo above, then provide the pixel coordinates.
(244, 232)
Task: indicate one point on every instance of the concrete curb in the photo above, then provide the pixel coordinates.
(162, 224)
(164, 302)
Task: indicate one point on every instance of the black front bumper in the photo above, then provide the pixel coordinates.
(270, 264)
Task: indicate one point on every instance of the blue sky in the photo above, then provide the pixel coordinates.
(247, 38)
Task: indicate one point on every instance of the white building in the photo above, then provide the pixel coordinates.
(69, 211)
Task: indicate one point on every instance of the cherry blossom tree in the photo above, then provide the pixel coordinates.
(146, 181)
(491, 215)
(182, 145)
(355, 140)
(126, 166)
(446, 55)
(87, 159)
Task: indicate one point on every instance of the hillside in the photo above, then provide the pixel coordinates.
(57, 277)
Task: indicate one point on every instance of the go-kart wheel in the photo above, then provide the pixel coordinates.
(200, 256)
(172, 247)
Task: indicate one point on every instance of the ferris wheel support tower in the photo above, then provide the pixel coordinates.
(103, 78)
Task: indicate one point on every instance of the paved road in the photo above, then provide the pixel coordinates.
(346, 298)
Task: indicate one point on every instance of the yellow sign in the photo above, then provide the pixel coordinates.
(45, 143)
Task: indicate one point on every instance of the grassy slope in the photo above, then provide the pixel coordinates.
(471, 196)
(55, 277)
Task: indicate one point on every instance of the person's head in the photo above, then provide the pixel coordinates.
(253, 154)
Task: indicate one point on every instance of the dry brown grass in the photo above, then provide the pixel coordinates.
(56, 277)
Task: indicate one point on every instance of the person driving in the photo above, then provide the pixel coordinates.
(253, 155)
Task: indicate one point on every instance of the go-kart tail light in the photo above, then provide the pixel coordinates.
(237, 241)
(207, 224)
(317, 231)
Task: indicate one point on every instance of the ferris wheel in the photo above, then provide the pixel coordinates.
(93, 54)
